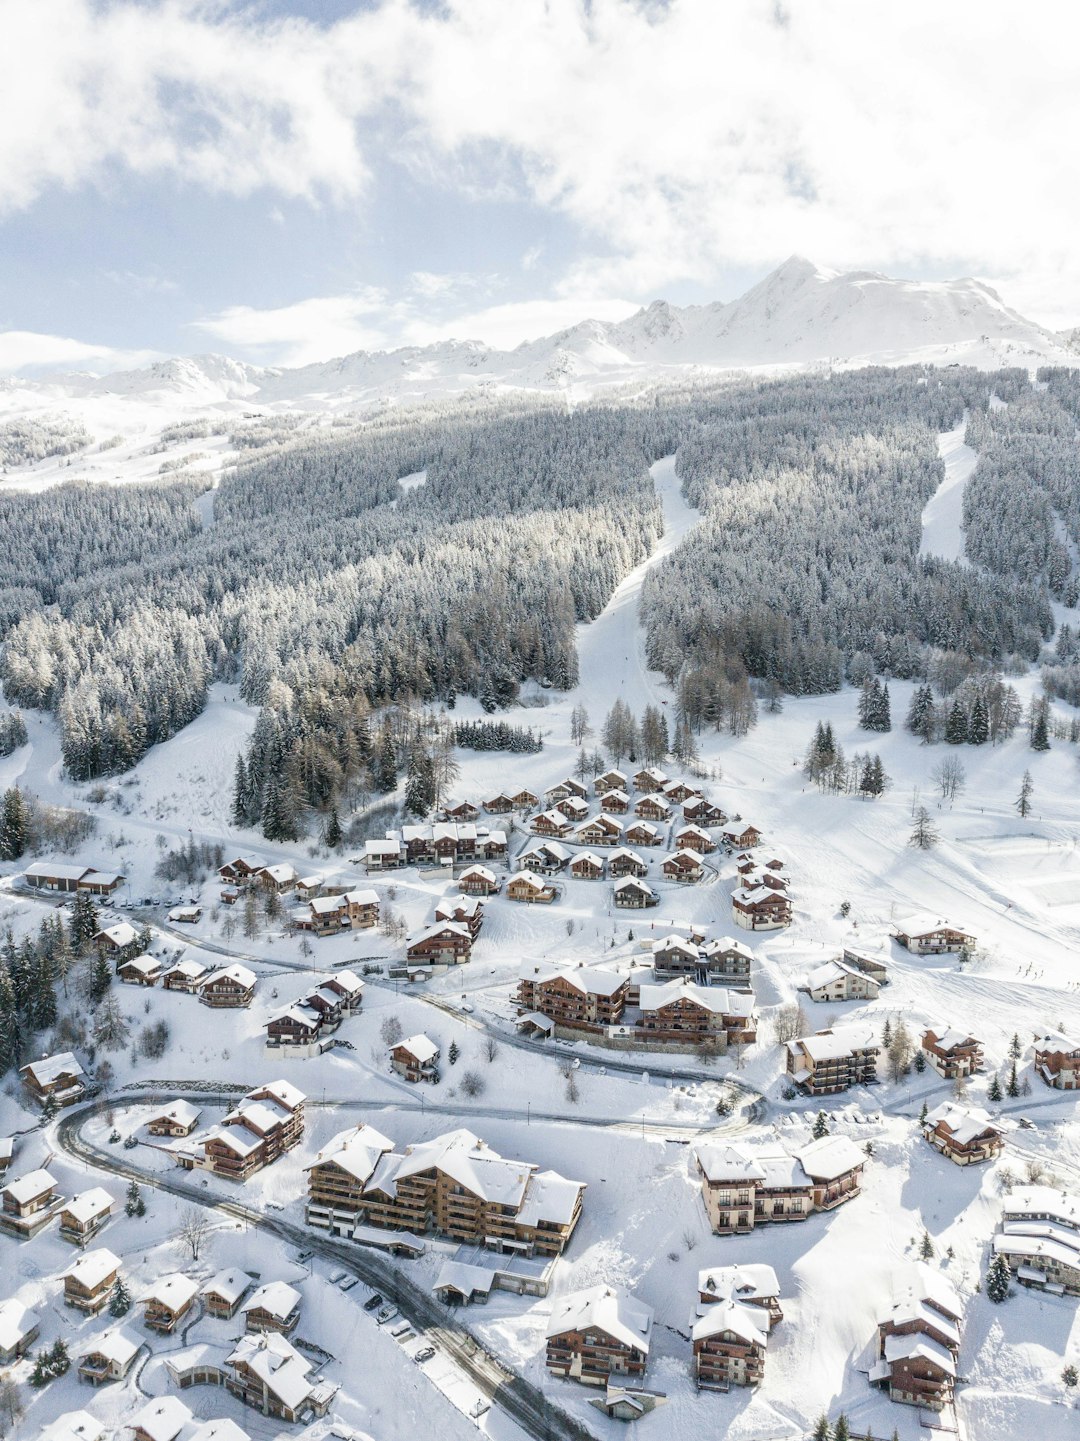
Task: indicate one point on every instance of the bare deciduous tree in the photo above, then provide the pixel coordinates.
(193, 1232)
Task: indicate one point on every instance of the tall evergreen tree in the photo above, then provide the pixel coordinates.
(14, 825)
(979, 724)
(956, 727)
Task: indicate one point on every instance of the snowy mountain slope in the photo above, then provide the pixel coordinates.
(798, 316)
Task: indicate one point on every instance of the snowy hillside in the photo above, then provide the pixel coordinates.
(799, 316)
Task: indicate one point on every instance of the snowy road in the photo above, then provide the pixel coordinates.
(611, 650)
(942, 531)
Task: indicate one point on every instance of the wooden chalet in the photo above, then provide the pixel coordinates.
(121, 939)
(387, 854)
(678, 792)
(273, 1307)
(163, 1418)
(524, 800)
(445, 944)
(872, 966)
(416, 1058)
(461, 811)
(223, 1293)
(499, 805)
(1057, 1061)
(615, 803)
(84, 1215)
(58, 1079)
(649, 779)
(1039, 1237)
(296, 1027)
(264, 1371)
(952, 1053)
(587, 996)
(694, 838)
(168, 1301)
(19, 1329)
(564, 789)
(28, 1204)
(551, 823)
(587, 867)
(462, 911)
(279, 878)
(729, 1340)
(241, 870)
(612, 780)
(178, 1118)
(679, 1010)
(89, 1282)
(702, 812)
(264, 1125)
(596, 1334)
(632, 894)
(727, 960)
(108, 1357)
(626, 862)
(744, 1188)
(652, 807)
(184, 975)
(600, 830)
(966, 1135)
(833, 1060)
(642, 833)
(761, 909)
(750, 1283)
(530, 888)
(919, 1340)
(574, 808)
(546, 858)
(231, 988)
(925, 936)
(478, 881)
(144, 970)
(837, 981)
(683, 866)
(339, 1176)
(741, 836)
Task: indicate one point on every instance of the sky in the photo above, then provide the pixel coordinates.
(289, 180)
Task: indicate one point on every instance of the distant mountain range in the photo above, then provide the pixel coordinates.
(799, 316)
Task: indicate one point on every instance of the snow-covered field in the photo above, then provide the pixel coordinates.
(1014, 883)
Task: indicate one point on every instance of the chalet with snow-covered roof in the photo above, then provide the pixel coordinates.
(458, 1186)
(727, 961)
(279, 877)
(649, 779)
(952, 1052)
(744, 1188)
(163, 1418)
(676, 957)
(1057, 1061)
(632, 894)
(224, 1292)
(108, 1357)
(694, 838)
(308, 887)
(643, 833)
(600, 831)
(184, 975)
(1039, 1237)
(596, 1334)
(624, 862)
(19, 1328)
(702, 812)
(387, 854)
(230, 988)
(275, 1306)
(729, 1341)
(837, 981)
(924, 935)
(264, 1371)
(478, 881)
(584, 996)
(530, 888)
(88, 1283)
(168, 1301)
(652, 807)
(680, 1010)
(551, 823)
(178, 1118)
(499, 805)
(296, 1027)
(574, 808)
(416, 1058)
(749, 1283)
(615, 803)
(870, 965)
(919, 1340)
(683, 866)
(741, 836)
(117, 939)
(28, 1204)
(833, 1060)
(144, 970)
(678, 792)
(965, 1134)
(338, 1176)
(461, 811)
(761, 909)
(84, 1215)
(445, 944)
(612, 780)
(565, 788)
(525, 799)
(73, 1426)
(260, 1128)
(58, 1079)
(241, 870)
(587, 867)
(462, 911)
(546, 858)
(756, 877)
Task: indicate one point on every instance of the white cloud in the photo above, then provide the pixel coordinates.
(679, 138)
(27, 351)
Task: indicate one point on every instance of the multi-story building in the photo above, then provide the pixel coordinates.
(168, 1301)
(744, 1188)
(266, 1123)
(919, 1340)
(89, 1282)
(28, 1204)
(598, 1334)
(966, 1135)
(1057, 1061)
(1040, 1238)
(339, 1176)
(84, 1215)
(952, 1053)
(834, 1059)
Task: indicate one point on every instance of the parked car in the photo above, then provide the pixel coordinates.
(387, 1314)
(373, 1302)
(424, 1354)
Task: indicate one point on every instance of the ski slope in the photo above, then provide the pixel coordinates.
(942, 520)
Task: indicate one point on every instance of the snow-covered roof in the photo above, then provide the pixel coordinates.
(277, 1298)
(587, 858)
(1057, 1043)
(947, 1038)
(220, 1428)
(676, 944)
(599, 1308)
(530, 879)
(240, 974)
(964, 1123)
(284, 1092)
(190, 969)
(591, 980)
(16, 1323)
(121, 934)
(744, 1283)
(365, 897)
(277, 1364)
(356, 1151)
(1024, 1201)
(185, 913)
(831, 971)
(481, 872)
(839, 1041)
(326, 905)
(422, 1048)
(27, 1188)
(550, 1197)
(922, 923)
(391, 846)
(281, 872)
(748, 1323)
(829, 1157)
(144, 965)
(723, 1163)
(173, 1291)
(50, 1068)
(633, 883)
(88, 1205)
(56, 870)
(720, 945)
(181, 1113)
(443, 929)
(716, 999)
(229, 1284)
(162, 1418)
(73, 1426)
(93, 1267)
(905, 1348)
(464, 1278)
(116, 1346)
(349, 979)
(748, 897)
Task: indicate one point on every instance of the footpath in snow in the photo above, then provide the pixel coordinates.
(611, 649)
(942, 530)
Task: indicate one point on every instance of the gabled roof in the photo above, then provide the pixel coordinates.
(277, 1298)
(240, 974)
(829, 1157)
(599, 1308)
(93, 1267)
(421, 1047)
(188, 968)
(16, 1323)
(162, 1418)
(948, 1038)
(173, 1291)
(481, 871)
(742, 1283)
(550, 1197)
(356, 1151)
(922, 923)
(26, 1188)
(591, 980)
(710, 998)
(49, 1068)
(116, 1346)
(1057, 1042)
(722, 1163)
(88, 1205)
(122, 934)
(749, 1323)
(277, 1364)
(229, 1284)
(73, 1426)
(964, 1124)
